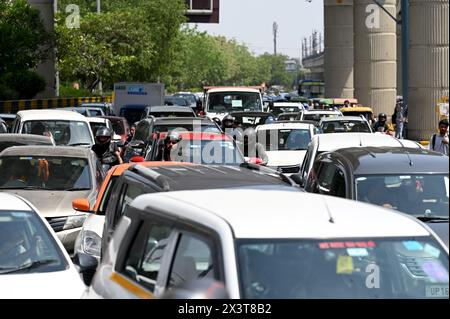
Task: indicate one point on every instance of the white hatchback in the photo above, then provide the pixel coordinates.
(286, 144)
(263, 244)
(33, 262)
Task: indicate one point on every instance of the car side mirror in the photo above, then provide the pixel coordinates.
(81, 205)
(297, 178)
(204, 288)
(87, 266)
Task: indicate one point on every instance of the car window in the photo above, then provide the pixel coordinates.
(41, 172)
(26, 245)
(146, 253)
(142, 130)
(128, 194)
(71, 133)
(351, 268)
(193, 260)
(107, 195)
(325, 178)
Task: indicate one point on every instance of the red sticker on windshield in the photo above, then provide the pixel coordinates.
(347, 244)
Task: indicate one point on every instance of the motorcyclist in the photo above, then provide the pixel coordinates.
(230, 127)
(252, 148)
(165, 146)
(381, 125)
(106, 150)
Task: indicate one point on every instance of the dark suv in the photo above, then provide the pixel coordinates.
(139, 179)
(412, 181)
(147, 128)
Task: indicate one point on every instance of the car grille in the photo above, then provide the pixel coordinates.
(57, 223)
(289, 169)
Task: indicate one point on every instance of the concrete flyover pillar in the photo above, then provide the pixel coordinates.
(338, 56)
(428, 64)
(47, 68)
(399, 50)
(375, 41)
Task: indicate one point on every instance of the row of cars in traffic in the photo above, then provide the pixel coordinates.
(147, 228)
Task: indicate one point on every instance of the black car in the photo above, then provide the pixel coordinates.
(253, 118)
(139, 179)
(147, 129)
(168, 111)
(412, 181)
(171, 100)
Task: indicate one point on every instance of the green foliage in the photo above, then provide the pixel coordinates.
(24, 43)
(147, 41)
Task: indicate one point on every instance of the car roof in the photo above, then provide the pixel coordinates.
(321, 111)
(51, 115)
(393, 160)
(181, 120)
(169, 108)
(97, 120)
(12, 202)
(26, 138)
(284, 125)
(332, 141)
(7, 115)
(232, 89)
(63, 151)
(288, 104)
(191, 177)
(343, 119)
(119, 169)
(251, 113)
(255, 213)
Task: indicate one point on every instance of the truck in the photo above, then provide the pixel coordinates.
(222, 100)
(130, 99)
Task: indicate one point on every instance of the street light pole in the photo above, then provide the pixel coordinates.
(405, 48)
(98, 6)
(100, 84)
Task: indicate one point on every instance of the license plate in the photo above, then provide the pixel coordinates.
(437, 291)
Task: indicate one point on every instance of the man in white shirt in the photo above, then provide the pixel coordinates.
(439, 142)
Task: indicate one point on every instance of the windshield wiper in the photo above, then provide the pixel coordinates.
(26, 187)
(28, 266)
(433, 218)
(73, 189)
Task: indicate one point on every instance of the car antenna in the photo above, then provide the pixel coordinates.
(331, 220)
(407, 154)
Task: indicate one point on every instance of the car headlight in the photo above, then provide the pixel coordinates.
(74, 222)
(91, 243)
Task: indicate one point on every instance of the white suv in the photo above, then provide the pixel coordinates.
(262, 244)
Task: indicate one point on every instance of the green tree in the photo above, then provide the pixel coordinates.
(24, 44)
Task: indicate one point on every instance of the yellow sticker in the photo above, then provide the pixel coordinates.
(344, 265)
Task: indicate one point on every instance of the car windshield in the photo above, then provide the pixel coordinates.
(234, 101)
(187, 127)
(284, 109)
(26, 245)
(360, 268)
(176, 101)
(317, 116)
(286, 139)
(220, 152)
(417, 195)
(345, 126)
(64, 132)
(189, 97)
(133, 114)
(44, 172)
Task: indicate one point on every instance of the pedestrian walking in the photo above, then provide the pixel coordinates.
(439, 142)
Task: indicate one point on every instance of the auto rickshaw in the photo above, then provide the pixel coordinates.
(359, 110)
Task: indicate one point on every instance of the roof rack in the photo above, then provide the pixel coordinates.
(160, 180)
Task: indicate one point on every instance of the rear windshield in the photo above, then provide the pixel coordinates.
(211, 128)
(345, 126)
(188, 113)
(286, 139)
(357, 268)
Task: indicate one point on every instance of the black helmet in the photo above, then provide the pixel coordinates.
(228, 121)
(382, 116)
(103, 135)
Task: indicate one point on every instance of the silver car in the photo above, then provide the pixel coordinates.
(50, 178)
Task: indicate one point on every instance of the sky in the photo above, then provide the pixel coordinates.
(251, 22)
